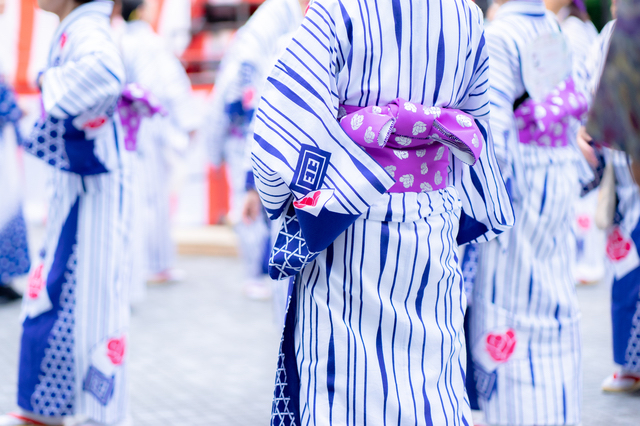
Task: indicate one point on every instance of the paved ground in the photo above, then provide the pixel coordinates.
(202, 354)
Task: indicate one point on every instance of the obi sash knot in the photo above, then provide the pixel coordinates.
(134, 105)
(546, 123)
(412, 141)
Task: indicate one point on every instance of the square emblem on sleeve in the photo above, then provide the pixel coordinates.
(311, 169)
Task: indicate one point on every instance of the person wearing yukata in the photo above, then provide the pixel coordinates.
(74, 347)
(159, 138)
(524, 325)
(580, 34)
(242, 75)
(373, 154)
(623, 239)
(14, 249)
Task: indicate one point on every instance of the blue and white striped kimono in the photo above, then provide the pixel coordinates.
(525, 320)
(76, 309)
(14, 249)
(149, 63)
(374, 329)
(625, 292)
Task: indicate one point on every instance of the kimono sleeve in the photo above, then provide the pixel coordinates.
(486, 205)
(299, 146)
(92, 79)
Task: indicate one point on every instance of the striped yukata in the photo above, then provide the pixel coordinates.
(524, 326)
(229, 127)
(623, 238)
(76, 308)
(149, 63)
(14, 249)
(373, 333)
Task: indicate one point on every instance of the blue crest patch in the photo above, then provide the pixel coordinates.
(486, 383)
(99, 385)
(311, 169)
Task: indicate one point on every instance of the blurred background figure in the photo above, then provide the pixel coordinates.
(161, 140)
(171, 19)
(14, 250)
(524, 323)
(229, 125)
(580, 34)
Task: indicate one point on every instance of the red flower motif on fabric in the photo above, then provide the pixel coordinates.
(584, 221)
(96, 123)
(115, 350)
(248, 98)
(35, 283)
(618, 247)
(63, 40)
(500, 346)
(309, 201)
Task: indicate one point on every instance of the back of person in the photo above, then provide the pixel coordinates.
(374, 330)
(524, 323)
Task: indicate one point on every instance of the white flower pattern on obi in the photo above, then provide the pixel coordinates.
(437, 179)
(421, 152)
(426, 187)
(463, 120)
(410, 107)
(403, 155)
(435, 111)
(554, 109)
(475, 141)
(561, 86)
(573, 101)
(376, 110)
(407, 180)
(545, 140)
(369, 136)
(419, 127)
(557, 100)
(520, 123)
(424, 168)
(439, 154)
(403, 140)
(391, 170)
(356, 121)
(540, 112)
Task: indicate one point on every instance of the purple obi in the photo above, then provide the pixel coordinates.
(412, 141)
(546, 123)
(134, 105)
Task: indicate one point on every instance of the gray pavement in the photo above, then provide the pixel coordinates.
(203, 354)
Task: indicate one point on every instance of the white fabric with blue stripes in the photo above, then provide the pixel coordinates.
(524, 323)
(374, 332)
(85, 261)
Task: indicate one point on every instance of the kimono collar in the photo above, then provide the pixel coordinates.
(522, 7)
(96, 7)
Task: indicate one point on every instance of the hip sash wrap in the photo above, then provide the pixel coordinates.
(134, 105)
(412, 141)
(546, 123)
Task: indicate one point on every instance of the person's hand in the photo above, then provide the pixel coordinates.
(589, 153)
(252, 207)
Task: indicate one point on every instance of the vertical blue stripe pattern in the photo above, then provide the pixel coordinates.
(524, 283)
